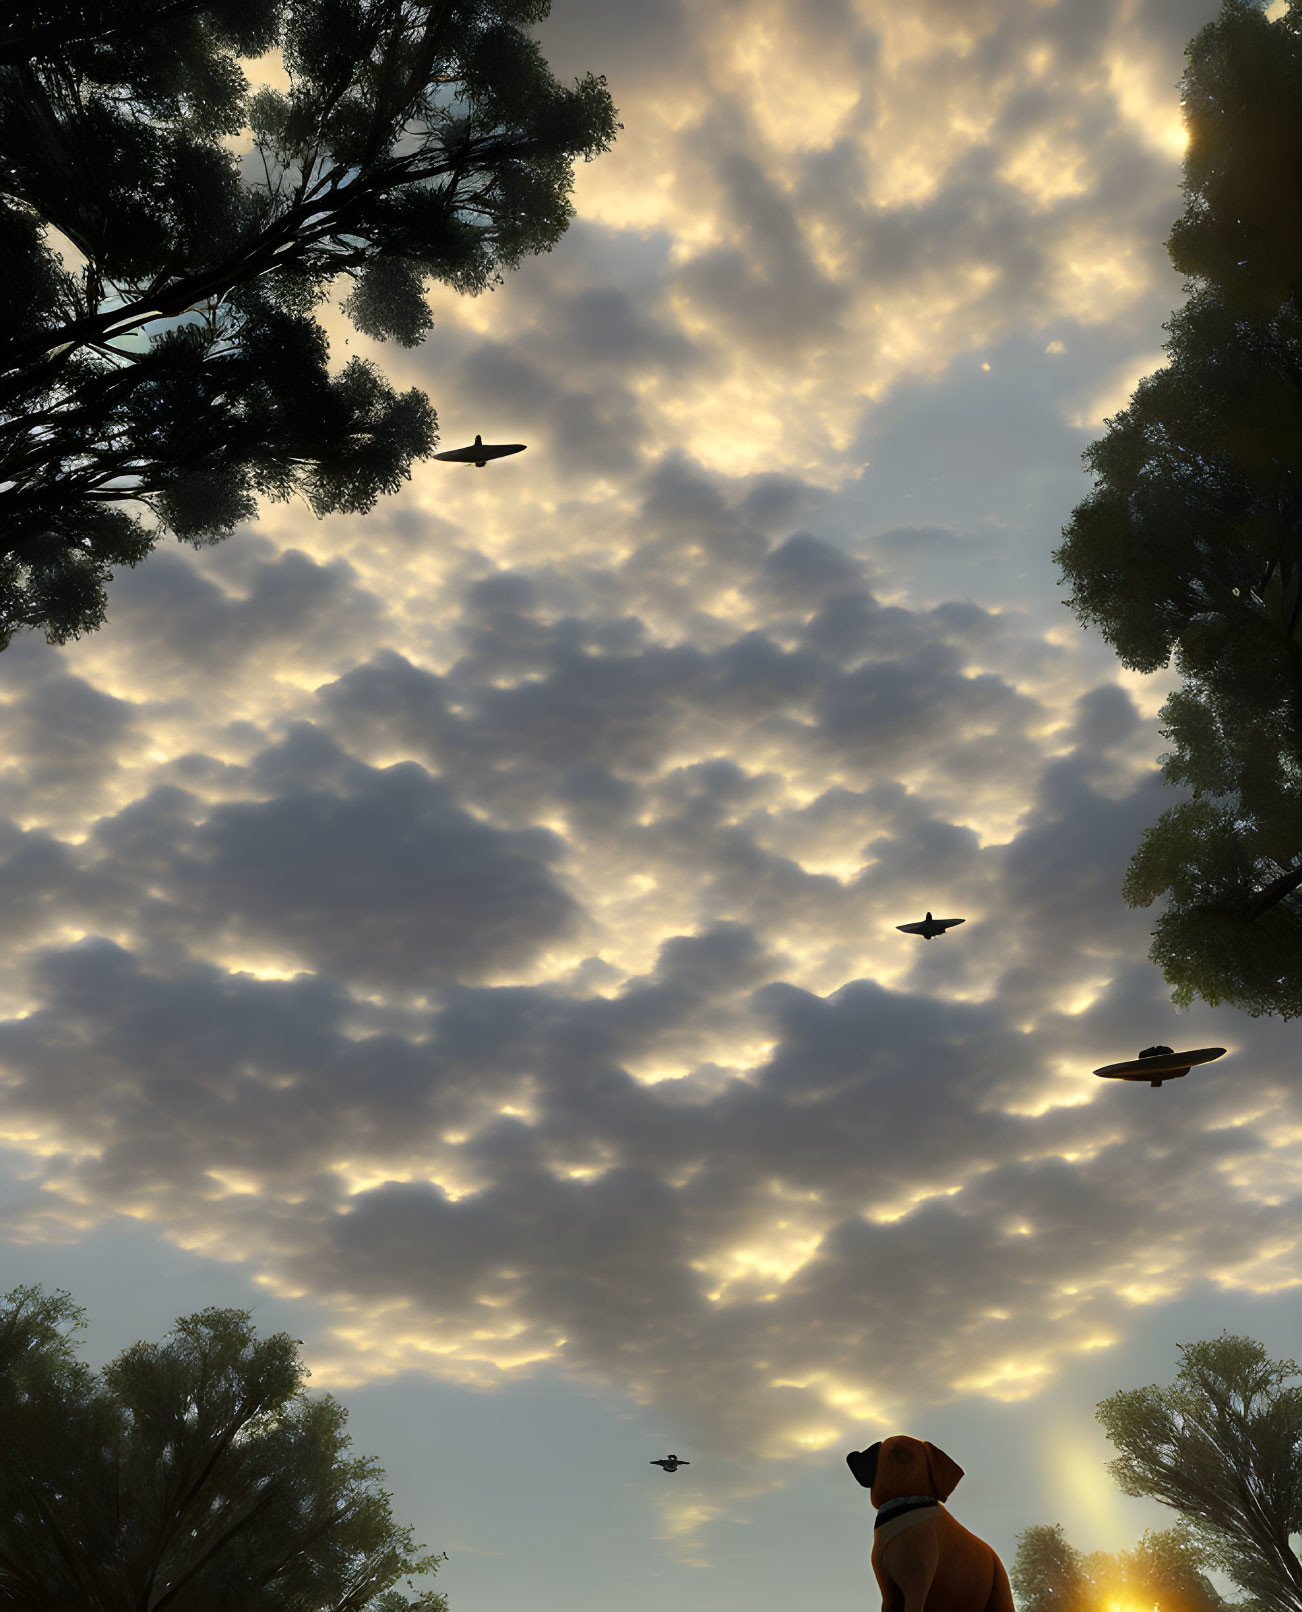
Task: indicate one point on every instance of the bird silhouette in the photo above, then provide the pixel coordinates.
(670, 1464)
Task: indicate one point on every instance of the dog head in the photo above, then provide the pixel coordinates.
(903, 1465)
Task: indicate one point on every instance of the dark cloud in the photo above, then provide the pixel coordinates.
(634, 46)
(767, 291)
(366, 875)
(62, 738)
(805, 568)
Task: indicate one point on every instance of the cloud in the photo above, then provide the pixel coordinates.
(720, 1136)
(480, 916)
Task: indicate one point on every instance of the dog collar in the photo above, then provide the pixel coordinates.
(906, 1502)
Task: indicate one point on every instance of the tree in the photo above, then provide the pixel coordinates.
(1049, 1575)
(173, 371)
(1191, 542)
(192, 1475)
(1224, 1449)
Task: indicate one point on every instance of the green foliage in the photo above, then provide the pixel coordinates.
(1047, 1574)
(1165, 1570)
(169, 365)
(1243, 228)
(1210, 856)
(193, 1473)
(1190, 543)
(1224, 1449)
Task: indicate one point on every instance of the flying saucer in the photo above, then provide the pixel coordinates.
(1156, 1064)
(670, 1464)
(480, 452)
(930, 927)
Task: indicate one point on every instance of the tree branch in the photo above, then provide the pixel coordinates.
(1274, 892)
(20, 42)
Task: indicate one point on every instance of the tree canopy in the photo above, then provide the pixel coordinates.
(160, 364)
(1224, 1449)
(192, 1475)
(1165, 1570)
(1191, 541)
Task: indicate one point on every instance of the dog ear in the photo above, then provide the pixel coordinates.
(944, 1472)
(863, 1463)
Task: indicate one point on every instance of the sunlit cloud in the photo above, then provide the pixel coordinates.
(477, 919)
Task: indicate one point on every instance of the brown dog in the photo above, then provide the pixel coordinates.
(921, 1556)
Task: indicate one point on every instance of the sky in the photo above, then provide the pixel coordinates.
(464, 934)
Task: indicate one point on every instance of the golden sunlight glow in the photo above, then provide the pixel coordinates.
(1143, 98)
(1008, 1381)
(1078, 1087)
(377, 1348)
(779, 1189)
(856, 1404)
(233, 1182)
(1098, 275)
(1074, 1462)
(45, 1147)
(779, 1261)
(1112, 400)
(683, 1522)
(1046, 170)
(1147, 1292)
(771, 68)
(1278, 1135)
(652, 1073)
(843, 868)
(815, 1438)
(1254, 1275)
(909, 157)
(637, 185)
(359, 1178)
(744, 1055)
(888, 1217)
(1084, 994)
(267, 972)
(853, 1401)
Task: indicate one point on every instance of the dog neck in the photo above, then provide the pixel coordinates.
(906, 1502)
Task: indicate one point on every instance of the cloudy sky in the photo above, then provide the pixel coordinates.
(465, 934)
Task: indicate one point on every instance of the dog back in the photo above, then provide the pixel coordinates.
(965, 1565)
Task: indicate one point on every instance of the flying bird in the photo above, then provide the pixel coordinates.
(930, 927)
(1156, 1064)
(480, 452)
(670, 1463)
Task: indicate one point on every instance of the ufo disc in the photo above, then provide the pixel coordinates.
(483, 450)
(1165, 1064)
